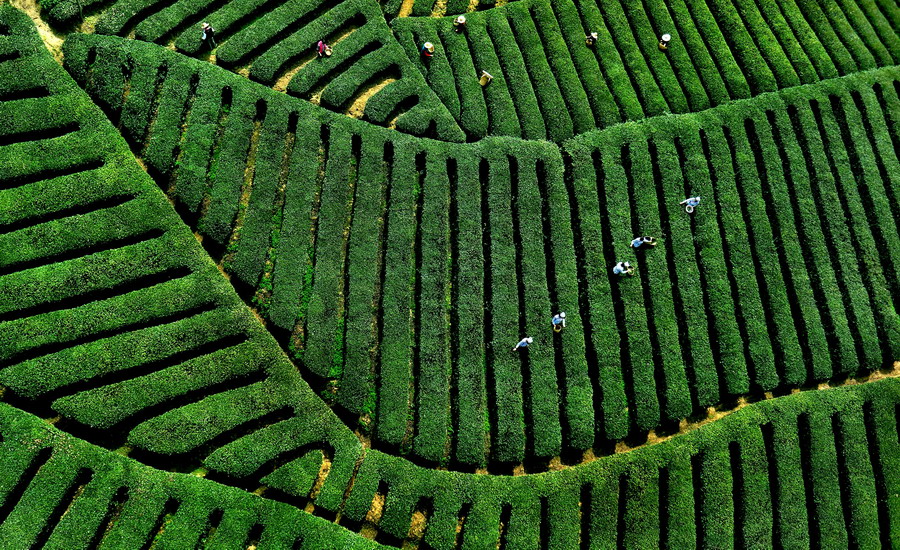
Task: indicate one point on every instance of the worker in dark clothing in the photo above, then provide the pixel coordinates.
(664, 41)
(208, 35)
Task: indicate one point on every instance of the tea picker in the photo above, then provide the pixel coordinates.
(323, 49)
(622, 269)
(690, 204)
(523, 343)
(591, 39)
(559, 321)
(664, 41)
(459, 23)
(638, 242)
(427, 49)
(208, 34)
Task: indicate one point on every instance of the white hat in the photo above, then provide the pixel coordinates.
(529, 340)
(562, 314)
(666, 37)
(429, 46)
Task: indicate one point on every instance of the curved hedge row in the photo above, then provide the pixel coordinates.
(113, 317)
(115, 323)
(435, 8)
(57, 491)
(817, 469)
(273, 41)
(549, 85)
(400, 272)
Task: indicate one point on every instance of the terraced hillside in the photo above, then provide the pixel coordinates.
(550, 85)
(273, 42)
(60, 492)
(355, 381)
(400, 272)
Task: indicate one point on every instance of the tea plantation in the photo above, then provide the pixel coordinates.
(253, 297)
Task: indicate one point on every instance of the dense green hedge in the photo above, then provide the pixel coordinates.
(434, 259)
(270, 39)
(352, 241)
(60, 492)
(800, 309)
(818, 469)
(113, 315)
(720, 51)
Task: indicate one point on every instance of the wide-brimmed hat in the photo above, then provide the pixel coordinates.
(428, 46)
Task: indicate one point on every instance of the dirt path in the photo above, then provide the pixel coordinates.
(51, 38)
(359, 104)
(406, 8)
(440, 8)
(717, 413)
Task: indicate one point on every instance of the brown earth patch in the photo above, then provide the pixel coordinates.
(51, 38)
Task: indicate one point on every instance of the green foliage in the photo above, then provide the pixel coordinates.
(720, 51)
(113, 315)
(414, 266)
(277, 41)
(60, 492)
(817, 451)
(400, 271)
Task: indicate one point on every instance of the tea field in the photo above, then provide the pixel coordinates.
(251, 297)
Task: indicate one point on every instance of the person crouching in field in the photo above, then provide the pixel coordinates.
(690, 204)
(559, 321)
(622, 269)
(323, 49)
(208, 35)
(523, 343)
(645, 242)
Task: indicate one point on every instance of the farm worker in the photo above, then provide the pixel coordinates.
(591, 39)
(622, 269)
(559, 321)
(208, 33)
(664, 41)
(523, 343)
(690, 204)
(642, 241)
(459, 23)
(322, 49)
(428, 49)
(485, 78)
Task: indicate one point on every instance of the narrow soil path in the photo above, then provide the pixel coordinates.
(359, 104)
(406, 8)
(51, 38)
